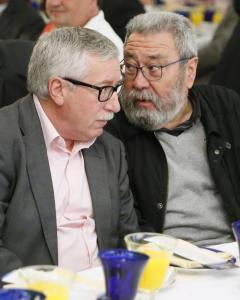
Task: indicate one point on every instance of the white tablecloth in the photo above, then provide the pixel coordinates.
(189, 285)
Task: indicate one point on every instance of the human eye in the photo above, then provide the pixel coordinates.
(129, 68)
(154, 69)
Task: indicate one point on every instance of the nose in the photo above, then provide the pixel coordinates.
(113, 104)
(140, 82)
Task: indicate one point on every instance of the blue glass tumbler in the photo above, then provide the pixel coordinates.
(122, 270)
(236, 232)
(20, 294)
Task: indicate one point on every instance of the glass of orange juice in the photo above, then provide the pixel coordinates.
(53, 281)
(159, 248)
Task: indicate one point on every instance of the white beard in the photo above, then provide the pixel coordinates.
(165, 110)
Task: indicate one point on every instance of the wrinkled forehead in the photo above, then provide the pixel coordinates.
(154, 45)
(99, 70)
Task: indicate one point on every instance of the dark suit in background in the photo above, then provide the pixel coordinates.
(20, 21)
(227, 72)
(210, 54)
(119, 12)
(14, 58)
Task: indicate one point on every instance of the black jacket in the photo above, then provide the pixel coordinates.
(20, 21)
(119, 12)
(148, 170)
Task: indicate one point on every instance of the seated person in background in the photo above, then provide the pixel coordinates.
(18, 20)
(119, 12)
(64, 190)
(209, 55)
(84, 13)
(227, 72)
(182, 142)
(236, 5)
(14, 58)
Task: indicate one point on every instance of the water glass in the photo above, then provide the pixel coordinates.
(236, 232)
(122, 270)
(20, 294)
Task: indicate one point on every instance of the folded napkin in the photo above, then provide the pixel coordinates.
(189, 256)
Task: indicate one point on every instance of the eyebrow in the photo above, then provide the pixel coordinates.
(129, 55)
(150, 57)
(157, 56)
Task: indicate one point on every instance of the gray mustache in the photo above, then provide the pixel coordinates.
(144, 95)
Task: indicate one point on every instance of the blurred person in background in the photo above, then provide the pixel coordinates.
(227, 72)
(236, 4)
(64, 189)
(210, 54)
(83, 13)
(119, 12)
(182, 141)
(14, 59)
(18, 20)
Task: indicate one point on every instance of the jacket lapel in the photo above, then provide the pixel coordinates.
(39, 172)
(95, 165)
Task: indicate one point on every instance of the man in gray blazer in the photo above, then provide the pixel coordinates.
(51, 210)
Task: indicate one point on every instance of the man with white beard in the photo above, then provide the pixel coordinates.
(182, 142)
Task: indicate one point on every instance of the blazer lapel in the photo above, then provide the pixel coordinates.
(97, 179)
(39, 173)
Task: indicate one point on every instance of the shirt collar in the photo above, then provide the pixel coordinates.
(196, 114)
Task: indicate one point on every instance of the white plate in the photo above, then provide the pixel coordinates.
(94, 278)
(89, 283)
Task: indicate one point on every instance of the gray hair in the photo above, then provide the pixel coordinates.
(64, 52)
(156, 22)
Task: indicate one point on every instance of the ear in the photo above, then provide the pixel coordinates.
(191, 72)
(56, 88)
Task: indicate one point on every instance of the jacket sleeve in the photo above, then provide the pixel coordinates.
(8, 260)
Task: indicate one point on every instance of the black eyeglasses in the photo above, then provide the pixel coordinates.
(104, 92)
(150, 72)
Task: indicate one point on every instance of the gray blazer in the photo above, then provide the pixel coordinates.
(27, 207)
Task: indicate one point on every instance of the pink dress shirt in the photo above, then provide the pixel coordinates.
(77, 239)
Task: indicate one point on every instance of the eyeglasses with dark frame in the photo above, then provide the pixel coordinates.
(151, 72)
(104, 92)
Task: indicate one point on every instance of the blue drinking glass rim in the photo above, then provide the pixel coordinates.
(22, 291)
(124, 254)
(236, 223)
